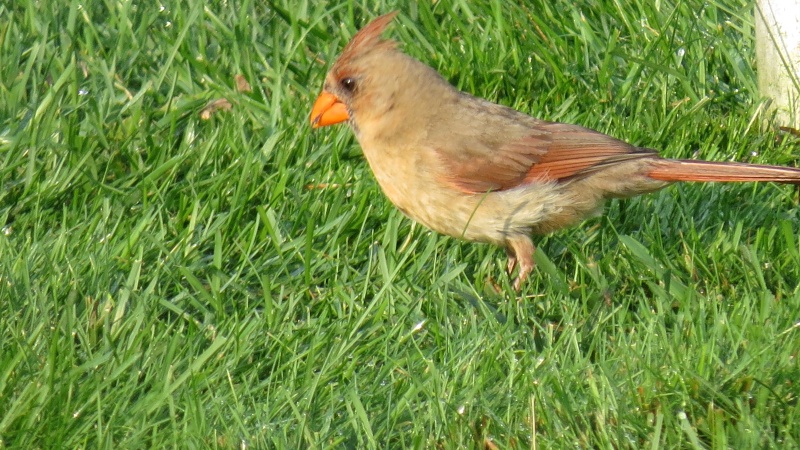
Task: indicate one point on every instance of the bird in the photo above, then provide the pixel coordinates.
(479, 171)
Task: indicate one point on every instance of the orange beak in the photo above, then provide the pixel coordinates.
(328, 110)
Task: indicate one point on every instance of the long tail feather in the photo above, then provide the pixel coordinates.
(689, 170)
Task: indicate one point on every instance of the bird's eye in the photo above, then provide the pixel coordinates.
(349, 84)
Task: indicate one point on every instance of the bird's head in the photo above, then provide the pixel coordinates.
(371, 81)
(356, 84)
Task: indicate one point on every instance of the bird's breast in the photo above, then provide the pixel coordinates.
(403, 176)
(411, 179)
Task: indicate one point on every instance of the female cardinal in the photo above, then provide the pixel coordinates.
(472, 169)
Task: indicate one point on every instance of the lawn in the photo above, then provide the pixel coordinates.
(185, 263)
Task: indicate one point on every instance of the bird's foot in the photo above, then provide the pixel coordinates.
(520, 253)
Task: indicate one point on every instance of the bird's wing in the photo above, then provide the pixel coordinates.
(550, 152)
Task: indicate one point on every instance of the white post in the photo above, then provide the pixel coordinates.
(778, 57)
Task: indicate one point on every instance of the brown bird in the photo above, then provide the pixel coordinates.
(472, 169)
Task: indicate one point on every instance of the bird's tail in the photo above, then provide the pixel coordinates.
(690, 170)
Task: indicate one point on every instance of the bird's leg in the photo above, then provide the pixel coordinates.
(512, 261)
(520, 251)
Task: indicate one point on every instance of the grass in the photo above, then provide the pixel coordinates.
(241, 282)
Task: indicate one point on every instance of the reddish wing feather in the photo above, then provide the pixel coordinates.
(483, 168)
(552, 152)
(574, 151)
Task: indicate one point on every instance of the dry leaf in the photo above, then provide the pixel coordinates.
(241, 84)
(216, 105)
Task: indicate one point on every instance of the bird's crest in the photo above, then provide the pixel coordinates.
(369, 37)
